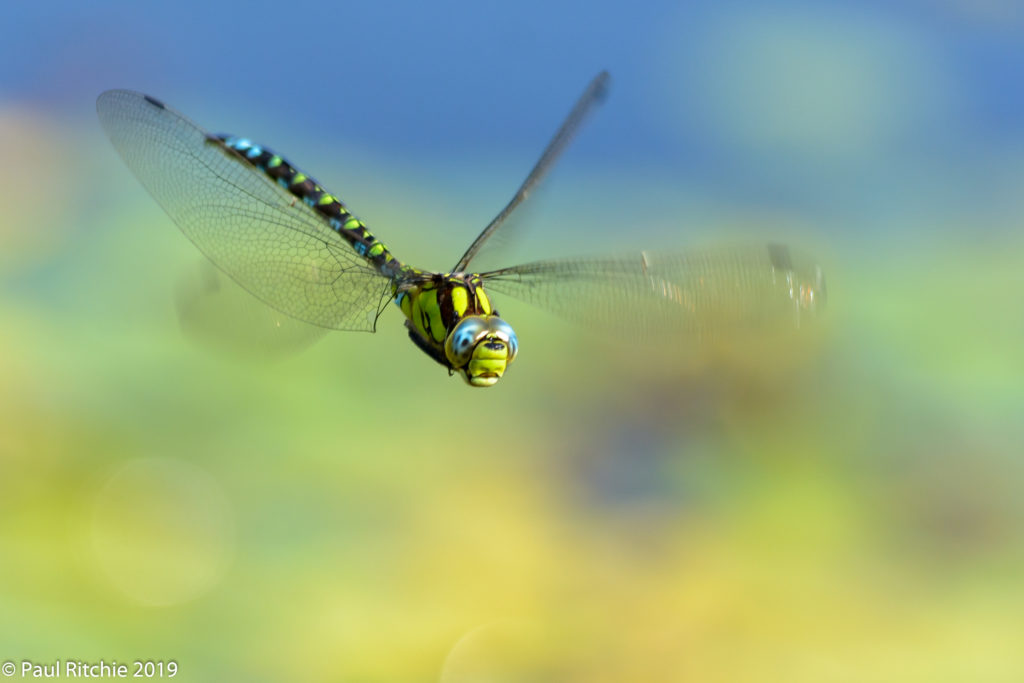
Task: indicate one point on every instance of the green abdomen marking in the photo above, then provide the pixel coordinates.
(306, 189)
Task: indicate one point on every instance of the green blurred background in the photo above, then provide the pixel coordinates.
(843, 504)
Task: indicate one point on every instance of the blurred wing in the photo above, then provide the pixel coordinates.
(592, 96)
(698, 293)
(214, 310)
(252, 229)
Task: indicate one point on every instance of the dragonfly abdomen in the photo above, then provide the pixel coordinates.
(306, 189)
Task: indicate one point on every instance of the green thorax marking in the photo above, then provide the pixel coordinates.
(434, 303)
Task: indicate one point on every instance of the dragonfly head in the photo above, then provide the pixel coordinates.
(481, 348)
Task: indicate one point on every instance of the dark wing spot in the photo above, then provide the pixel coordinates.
(154, 101)
(602, 81)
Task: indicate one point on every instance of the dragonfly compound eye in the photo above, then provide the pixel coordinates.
(502, 330)
(481, 348)
(458, 347)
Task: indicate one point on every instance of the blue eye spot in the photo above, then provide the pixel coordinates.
(464, 339)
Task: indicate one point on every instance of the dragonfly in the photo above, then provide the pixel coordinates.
(299, 249)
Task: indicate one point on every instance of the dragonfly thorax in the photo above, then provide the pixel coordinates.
(450, 317)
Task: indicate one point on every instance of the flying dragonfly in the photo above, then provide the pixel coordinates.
(289, 242)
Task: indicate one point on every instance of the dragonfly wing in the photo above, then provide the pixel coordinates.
(596, 91)
(698, 293)
(216, 312)
(252, 229)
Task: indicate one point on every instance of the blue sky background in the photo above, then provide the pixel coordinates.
(853, 116)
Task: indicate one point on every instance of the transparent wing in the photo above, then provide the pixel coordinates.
(216, 312)
(649, 294)
(252, 229)
(593, 95)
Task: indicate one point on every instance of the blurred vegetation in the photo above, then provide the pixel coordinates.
(846, 501)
